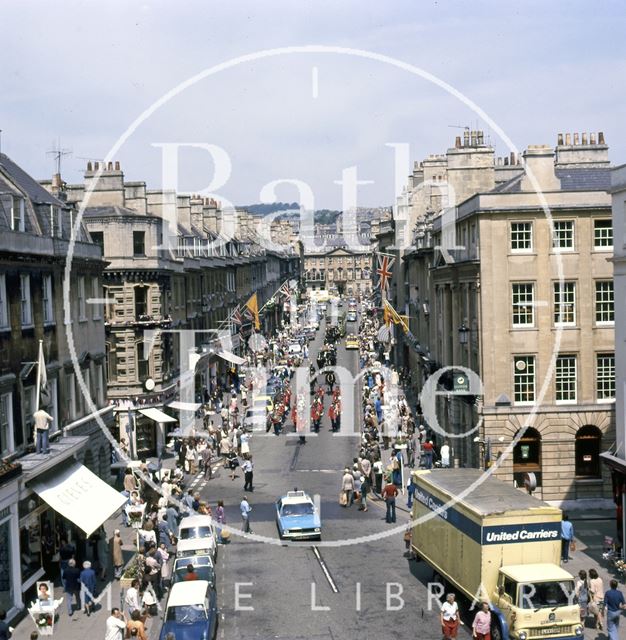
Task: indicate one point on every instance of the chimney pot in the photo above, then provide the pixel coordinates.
(575, 139)
(568, 139)
(457, 142)
(117, 165)
(96, 166)
(559, 140)
(592, 138)
(512, 156)
(473, 138)
(506, 161)
(89, 167)
(601, 137)
(584, 138)
(466, 138)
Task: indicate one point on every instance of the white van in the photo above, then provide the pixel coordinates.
(197, 528)
(197, 547)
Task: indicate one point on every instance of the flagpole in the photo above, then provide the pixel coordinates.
(39, 361)
(270, 298)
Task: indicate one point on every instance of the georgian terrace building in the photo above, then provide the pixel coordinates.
(155, 294)
(499, 306)
(35, 228)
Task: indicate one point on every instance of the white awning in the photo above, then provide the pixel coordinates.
(184, 406)
(157, 415)
(79, 495)
(231, 357)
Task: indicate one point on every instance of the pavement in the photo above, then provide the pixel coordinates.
(356, 583)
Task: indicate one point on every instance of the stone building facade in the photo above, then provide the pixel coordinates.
(35, 231)
(340, 270)
(492, 285)
(178, 266)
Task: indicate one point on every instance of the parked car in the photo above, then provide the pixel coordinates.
(194, 527)
(196, 547)
(297, 517)
(191, 611)
(202, 565)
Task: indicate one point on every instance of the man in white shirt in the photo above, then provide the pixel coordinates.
(245, 508)
(42, 440)
(115, 625)
(444, 454)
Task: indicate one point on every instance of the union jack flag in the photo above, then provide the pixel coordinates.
(385, 263)
(237, 318)
(284, 290)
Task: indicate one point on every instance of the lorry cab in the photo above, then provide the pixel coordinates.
(538, 600)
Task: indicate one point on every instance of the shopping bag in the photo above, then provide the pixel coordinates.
(572, 546)
(343, 498)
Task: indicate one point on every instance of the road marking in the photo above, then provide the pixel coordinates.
(317, 470)
(322, 564)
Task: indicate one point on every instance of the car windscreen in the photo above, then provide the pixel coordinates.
(299, 509)
(542, 595)
(195, 532)
(205, 572)
(187, 614)
(196, 561)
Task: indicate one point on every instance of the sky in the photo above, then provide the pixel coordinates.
(80, 73)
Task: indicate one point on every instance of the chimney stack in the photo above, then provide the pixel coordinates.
(539, 159)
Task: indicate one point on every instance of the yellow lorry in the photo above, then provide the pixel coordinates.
(496, 544)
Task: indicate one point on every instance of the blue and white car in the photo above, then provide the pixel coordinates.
(297, 517)
(191, 612)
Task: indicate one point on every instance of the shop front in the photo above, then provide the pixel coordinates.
(56, 499)
(10, 590)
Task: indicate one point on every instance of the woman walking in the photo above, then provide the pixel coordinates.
(366, 485)
(220, 518)
(116, 553)
(582, 593)
(450, 617)
(596, 598)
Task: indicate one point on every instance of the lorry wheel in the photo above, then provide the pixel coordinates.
(496, 632)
